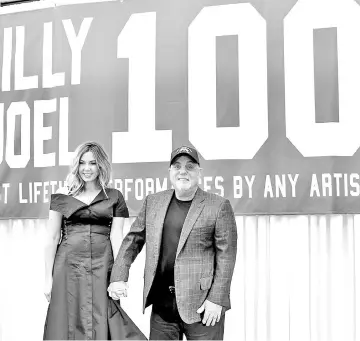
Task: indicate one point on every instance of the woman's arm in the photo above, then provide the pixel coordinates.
(117, 234)
(52, 237)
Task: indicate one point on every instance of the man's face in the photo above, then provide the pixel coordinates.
(184, 174)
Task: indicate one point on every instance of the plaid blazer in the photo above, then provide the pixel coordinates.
(205, 256)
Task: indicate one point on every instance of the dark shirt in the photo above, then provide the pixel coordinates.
(173, 223)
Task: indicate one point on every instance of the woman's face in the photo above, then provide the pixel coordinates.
(88, 168)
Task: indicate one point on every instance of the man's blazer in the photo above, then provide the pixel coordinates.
(205, 256)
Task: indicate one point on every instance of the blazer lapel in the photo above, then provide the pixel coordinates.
(161, 208)
(195, 209)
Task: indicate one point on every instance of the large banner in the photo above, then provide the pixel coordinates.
(268, 91)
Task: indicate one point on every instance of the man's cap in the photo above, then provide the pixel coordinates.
(185, 150)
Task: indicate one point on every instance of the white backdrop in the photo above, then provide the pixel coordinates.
(296, 278)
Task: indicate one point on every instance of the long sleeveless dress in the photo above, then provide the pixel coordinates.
(80, 308)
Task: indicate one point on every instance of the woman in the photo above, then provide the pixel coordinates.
(90, 217)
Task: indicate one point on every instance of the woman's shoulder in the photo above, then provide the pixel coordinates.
(59, 201)
(63, 190)
(113, 192)
(60, 195)
(120, 208)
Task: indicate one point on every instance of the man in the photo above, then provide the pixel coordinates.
(190, 238)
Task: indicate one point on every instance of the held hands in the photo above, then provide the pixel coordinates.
(117, 290)
(212, 313)
(47, 288)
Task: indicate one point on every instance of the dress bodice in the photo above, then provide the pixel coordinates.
(99, 213)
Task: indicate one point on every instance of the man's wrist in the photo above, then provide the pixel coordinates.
(120, 275)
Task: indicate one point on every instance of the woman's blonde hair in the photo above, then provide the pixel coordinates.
(74, 181)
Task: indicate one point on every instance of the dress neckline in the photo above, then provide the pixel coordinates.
(85, 203)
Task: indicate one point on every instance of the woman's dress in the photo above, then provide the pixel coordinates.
(80, 308)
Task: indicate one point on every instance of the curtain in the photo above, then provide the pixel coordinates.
(296, 278)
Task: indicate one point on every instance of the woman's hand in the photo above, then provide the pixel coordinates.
(47, 288)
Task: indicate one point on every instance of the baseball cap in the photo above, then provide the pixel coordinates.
(185, 150)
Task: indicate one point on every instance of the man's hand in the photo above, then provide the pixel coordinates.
(212, 313)
(117, 290)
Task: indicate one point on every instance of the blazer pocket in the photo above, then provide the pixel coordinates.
(205, 283)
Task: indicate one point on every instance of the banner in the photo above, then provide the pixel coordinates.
(266, 90)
